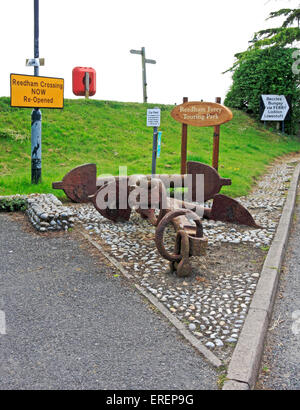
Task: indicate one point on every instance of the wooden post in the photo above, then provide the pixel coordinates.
(87, 85)
(145, 60)
(145, 98)
(184, 144)
(215, 161)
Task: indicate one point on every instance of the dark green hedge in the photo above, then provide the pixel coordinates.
(265, 71)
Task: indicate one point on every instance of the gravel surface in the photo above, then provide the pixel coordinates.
(214, 301)
(280, 368)
(72, 323)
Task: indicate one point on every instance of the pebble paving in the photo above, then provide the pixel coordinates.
(213, 310)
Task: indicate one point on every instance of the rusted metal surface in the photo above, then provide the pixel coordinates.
(229, 210)
(212, 180)
(197, 246)
(112, 198)
(82, 181)
(187, 246)
(223, 209)
(112, 209)
(79, 183)
(159, 234)
(182, 267)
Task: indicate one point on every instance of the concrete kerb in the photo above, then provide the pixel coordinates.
(213, 359)
(245, 362)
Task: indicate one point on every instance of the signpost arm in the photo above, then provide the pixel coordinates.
(36, 115)
(216, 144)
(184, 144)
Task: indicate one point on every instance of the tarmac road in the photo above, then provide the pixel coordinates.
(67, 323)
(280, 368)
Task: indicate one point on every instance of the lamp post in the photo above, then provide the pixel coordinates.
(36, 115)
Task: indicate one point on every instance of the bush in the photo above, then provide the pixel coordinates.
(12, 204)
(265, 71)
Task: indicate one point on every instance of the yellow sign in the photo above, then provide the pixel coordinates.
(36, 92)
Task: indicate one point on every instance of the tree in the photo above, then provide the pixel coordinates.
(266, 68)
(280, 36)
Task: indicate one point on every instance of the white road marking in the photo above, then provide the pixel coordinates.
(2, 323)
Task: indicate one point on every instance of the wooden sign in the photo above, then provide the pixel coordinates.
(33, 91)
(201, 114)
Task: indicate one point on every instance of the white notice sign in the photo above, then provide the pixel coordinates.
(153, 117)
(276, 108)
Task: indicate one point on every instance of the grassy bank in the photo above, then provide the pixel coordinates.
(113, 134)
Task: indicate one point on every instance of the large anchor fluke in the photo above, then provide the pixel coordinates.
(226, 209)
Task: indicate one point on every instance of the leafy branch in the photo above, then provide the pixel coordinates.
(280, 36)
(273, 37)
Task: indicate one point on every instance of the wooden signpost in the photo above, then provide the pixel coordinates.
(145, 61)
(216, 144)
(201, 114)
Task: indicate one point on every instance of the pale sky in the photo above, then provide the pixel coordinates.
(193, 42)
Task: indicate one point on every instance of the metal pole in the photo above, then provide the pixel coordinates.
(36, 35)
(36, 115)
(154, 150)
(144, 75)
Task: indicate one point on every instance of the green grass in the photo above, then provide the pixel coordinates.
(113, 134)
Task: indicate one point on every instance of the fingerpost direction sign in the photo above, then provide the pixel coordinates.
(274, 107)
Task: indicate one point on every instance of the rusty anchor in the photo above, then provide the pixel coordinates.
(79, 183)
(82, 185)
(189, 241)
(82, 181)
